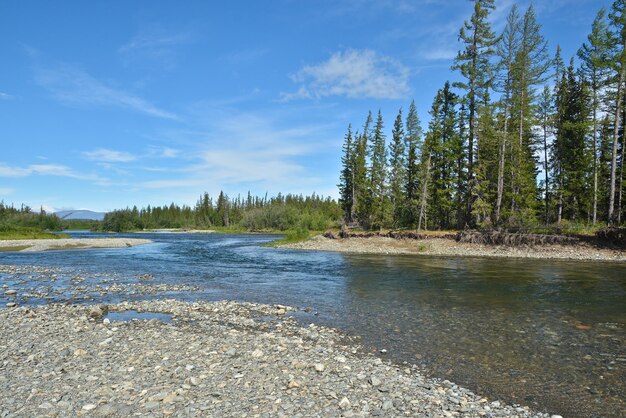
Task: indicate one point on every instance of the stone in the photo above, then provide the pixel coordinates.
(293, 384)
(89, 407)
(11, 305)
(374, 381)
(95, 312)
(10, 292)
(387, 405)
(257, 353)
(319, 367)
(344, 403)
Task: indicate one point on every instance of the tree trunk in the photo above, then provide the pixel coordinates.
(595, 153)
(618, 107)
(545, 170)
(501, 162)
(424, 197)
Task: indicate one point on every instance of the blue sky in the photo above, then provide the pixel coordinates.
(105, 104)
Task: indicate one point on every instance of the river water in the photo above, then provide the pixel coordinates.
(548, 334)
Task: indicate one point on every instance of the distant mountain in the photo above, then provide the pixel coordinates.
(80, 214)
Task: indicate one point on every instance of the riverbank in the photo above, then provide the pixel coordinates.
(212, 359)
(30, 245)
(441, 246)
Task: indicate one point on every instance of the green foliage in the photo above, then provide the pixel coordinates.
(23, 223)
(279, 213)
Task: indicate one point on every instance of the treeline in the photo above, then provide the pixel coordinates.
(282, 212)
(522, 140)
(23, 220)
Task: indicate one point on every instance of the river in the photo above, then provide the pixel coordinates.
(545, 333)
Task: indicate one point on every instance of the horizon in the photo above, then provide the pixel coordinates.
(107, 106)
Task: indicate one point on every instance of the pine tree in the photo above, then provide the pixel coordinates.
(378, 175)
(346, 179)
(474, 65)
(362, 198)
(413, 144)
(531, 65)
(507, 50)
(545, 108)
(397, 165)
(571, 149)
(594, 57)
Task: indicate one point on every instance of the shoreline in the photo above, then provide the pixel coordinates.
(226, 358)
(36, 245)
(450, 248)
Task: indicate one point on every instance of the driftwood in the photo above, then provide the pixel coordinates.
(513, 239)
(345, 233)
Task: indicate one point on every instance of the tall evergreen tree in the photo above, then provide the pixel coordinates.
(346, 179)
(397, 165)
(507, 50)
(531, 65)
(617, 18)
(378, 175)
(594, 57)
(413, 144)
(474, 64)
(545, 110)
(362, 198)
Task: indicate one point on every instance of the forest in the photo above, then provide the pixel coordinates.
(527, 138)
(278, 213)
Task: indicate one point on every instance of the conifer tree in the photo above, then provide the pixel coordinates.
(545, 110)
(617, 18)
(413, 143)
(531, 65)
(474, 64)
(507, 50)
(378, 174)
(346, 179)
(397, 165)
(594, 57)
(361, 195)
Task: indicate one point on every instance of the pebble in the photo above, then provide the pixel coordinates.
(200, 365)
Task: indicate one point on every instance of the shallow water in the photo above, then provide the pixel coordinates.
(549, 334)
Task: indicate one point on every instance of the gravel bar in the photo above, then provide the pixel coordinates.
(219, 359)
(26, 245)
(450, 247)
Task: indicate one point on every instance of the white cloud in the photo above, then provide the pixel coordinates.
(43, 170)
(75, 86)
(154, 44)
(108, 155)
(5, 96)
(354, 74)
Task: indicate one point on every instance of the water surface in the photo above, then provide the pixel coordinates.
(544, 333)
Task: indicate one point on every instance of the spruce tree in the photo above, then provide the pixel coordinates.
(507, 50)
(397, 165)
(474, 64)
(594, 57)
(378, 175)
(617, 18)
(545, 110)
(413, 144)
(346, 179)
(362, 198)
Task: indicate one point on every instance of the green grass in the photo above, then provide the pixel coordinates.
(293, 237)
(29, 233)
(16, 248)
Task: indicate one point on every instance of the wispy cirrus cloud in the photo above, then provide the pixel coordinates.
(156, 44)
(44, 170)
(4, 191)
(354, 74)
(5, 96)
(75, 86)
(109, 155)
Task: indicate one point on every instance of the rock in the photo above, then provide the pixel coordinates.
(194, 381)
(555, 416)
(281, 312)
(11, 305)
(293, 384)
(89, 407)
(96, 312)
(374, 381)
(152, 405)
(387, 405)
(10, 292)
(257, 353)
(344, 403)
(319, 367)
(106, 321)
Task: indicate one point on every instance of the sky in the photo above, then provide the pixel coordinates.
(109, 104)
